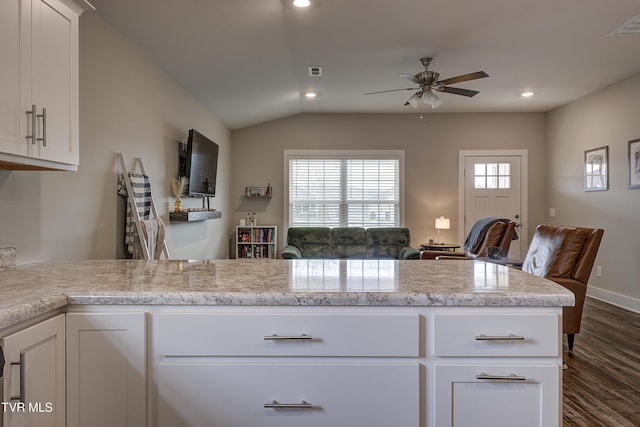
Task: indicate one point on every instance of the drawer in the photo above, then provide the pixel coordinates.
(223, 395)
(267, 334)
(498, 395)
(497, 335)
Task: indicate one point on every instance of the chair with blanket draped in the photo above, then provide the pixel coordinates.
(489, 232)
(566, 256)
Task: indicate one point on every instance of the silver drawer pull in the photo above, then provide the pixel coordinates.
(303, 405)
(510, 337)
(510, 377)
(276, 337)
(34, 124)
(44, 127)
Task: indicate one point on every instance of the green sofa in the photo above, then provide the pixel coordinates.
(349, 242)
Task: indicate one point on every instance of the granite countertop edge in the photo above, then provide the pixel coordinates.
(36, 290)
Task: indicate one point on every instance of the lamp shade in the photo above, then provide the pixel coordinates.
(431, 99)
(415, 99)
(442, 223)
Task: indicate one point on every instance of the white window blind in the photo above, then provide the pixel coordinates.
(344, 192)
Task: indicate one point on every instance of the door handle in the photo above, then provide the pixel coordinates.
(21, 391)
(518, 224)
(44, 127)
(34, 123)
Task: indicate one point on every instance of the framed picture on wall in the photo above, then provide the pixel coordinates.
(634, 163)
(596, 169)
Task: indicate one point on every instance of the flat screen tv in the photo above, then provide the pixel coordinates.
(199, 163)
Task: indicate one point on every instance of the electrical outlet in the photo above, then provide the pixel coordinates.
(598, 271)
(552, 212)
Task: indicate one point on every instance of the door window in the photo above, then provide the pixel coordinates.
(492, 175)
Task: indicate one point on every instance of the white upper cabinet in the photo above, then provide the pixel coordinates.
(39, 85)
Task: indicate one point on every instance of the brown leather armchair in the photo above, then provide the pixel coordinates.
(499, 233)
(565, 255)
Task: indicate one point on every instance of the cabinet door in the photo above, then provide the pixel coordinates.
(55, 80)
(34, 376)
(106, 369)
(14, 78)
(340, 395)
(497, 396)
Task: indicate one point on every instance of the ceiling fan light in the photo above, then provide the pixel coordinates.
(431, 99)
(415, 99)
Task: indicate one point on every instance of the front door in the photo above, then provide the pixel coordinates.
(493, 186)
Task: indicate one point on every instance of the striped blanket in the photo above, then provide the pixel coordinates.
(142, 196)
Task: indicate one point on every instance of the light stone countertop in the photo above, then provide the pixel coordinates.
(39, 288)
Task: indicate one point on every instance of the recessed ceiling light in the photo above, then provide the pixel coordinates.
(301, 3)
(310, 94)
(527, 94)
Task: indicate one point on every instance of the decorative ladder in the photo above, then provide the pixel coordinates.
(138, 167)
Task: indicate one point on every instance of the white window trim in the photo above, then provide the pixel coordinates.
(343, 154)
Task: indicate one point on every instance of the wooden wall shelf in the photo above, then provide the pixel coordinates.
(190, 216)
(257, 192)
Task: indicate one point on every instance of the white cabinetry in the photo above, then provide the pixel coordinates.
(282, 368)
(39, 90)
(497, 369)
(106, 369)
(34, 375)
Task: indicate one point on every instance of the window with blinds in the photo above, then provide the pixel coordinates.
(344, 192)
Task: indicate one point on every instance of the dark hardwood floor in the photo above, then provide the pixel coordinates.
(602, 381)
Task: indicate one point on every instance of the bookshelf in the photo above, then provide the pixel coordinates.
(256, 241)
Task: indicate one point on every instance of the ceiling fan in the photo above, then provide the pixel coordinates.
(427, 82)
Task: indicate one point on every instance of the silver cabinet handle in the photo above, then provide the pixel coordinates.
(510, 337)
(44, 127)
(21, 392)
(34, 123)
(510, 377)
(276, 337)
(303, 405)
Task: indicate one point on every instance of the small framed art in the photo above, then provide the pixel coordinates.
(634, 163)
(596, 169)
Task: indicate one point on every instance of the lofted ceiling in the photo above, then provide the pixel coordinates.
(247, 60)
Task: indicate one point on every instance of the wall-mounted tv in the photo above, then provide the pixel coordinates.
(199, 163)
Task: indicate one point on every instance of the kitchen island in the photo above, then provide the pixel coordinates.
(299, 342)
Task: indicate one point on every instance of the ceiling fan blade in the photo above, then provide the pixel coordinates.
(458, 91)
(409, 77)
(391, 90)
(463, 78)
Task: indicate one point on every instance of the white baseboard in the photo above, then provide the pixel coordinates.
(623, 301)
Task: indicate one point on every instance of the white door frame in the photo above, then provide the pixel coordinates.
(523, 233)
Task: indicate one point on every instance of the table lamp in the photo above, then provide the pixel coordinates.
(442, 223)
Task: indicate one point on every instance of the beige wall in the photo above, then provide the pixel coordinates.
(126, 105)
(608, 117)
(431, 158)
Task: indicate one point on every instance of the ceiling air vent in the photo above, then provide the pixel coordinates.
(315, 71)
(632, 26)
